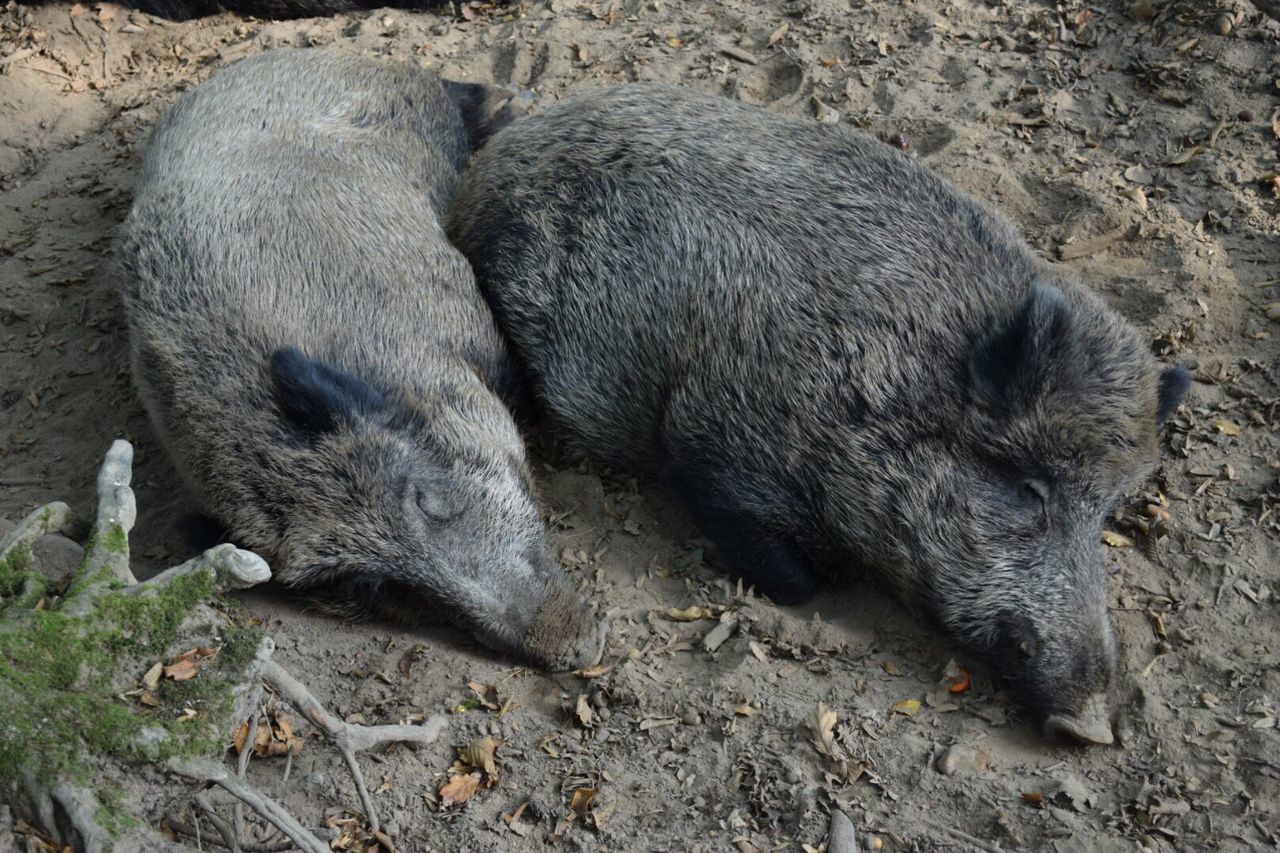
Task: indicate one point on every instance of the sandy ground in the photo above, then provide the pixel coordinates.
(1139, 152)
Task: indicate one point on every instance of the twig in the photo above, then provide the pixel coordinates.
(965, 838)
(246, 751)
(349, 738)
(229, 839)
(51, 73)
(181, 827)
(271, 811)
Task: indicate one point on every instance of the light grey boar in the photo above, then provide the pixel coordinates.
(835, 357)
(318, 360)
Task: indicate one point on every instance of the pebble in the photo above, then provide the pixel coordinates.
(900, 141)
(1246, 115)
(841, 837)
(1222, 25)
(691, 718)
(961, 760)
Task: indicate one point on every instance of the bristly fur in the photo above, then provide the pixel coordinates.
(835, 357)
(317, 358)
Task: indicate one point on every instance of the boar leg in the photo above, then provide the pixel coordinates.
(750, 543)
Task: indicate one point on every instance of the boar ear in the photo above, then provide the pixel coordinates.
(1174, 382)
(1009, 366)
(316, 397)
(485, 109)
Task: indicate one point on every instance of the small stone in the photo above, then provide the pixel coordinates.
(841, 837)
(961, 760)
(1246, 115)
(900, 141)
(1222, 25)
(691, 718)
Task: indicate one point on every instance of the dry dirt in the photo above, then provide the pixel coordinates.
(1140, 152)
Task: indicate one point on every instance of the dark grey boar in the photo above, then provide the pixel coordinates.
(835, 357)
(318, 359)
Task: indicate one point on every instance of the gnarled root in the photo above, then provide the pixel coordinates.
(70, 811)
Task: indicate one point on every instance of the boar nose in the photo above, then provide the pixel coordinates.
(1091, 726)
(565, 635)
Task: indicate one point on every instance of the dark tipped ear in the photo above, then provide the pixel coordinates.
(1174, 382)
(485, 109)
(316, 397)
(1008, 367)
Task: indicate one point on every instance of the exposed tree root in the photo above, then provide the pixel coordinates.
(69, 810)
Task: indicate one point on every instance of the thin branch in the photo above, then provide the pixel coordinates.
(348, 737)
(246, 751)
(229, 838)
(271, 811)
(181, 827)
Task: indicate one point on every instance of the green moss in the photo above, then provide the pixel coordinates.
(111, 812)
(14, 570)
(58, 705)
(116, 541)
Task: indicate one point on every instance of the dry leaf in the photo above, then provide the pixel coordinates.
(152, 679)
(1227, 427)
(594, 671)
(891, 667)
(582, 801)
(240, 736)
(955, 677)
(776, 35)
(822, 728)
(459, 789)
(1185, 157)
(480, 754)
(582, 711)
(487, 694)
(181, 671)
(907, 707)
(1116, 540)
(186, 665)
(406, 660)
(1035, 798)
(692, 613)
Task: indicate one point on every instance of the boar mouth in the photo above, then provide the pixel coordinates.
(1091, 726)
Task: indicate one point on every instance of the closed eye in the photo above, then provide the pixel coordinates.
(1038, 493)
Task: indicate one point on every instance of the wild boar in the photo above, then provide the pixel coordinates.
(835, 357)
(318, 360)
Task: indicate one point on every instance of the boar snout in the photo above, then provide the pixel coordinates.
(1090, 726)
(564, 634)
(1066, 678)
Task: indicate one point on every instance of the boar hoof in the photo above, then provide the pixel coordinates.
(1090, 727)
